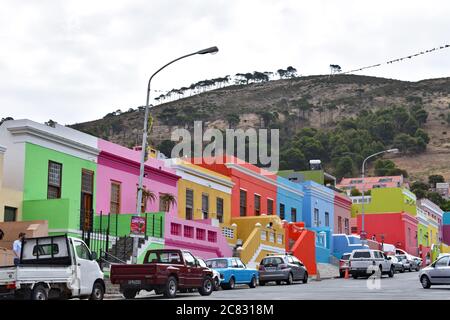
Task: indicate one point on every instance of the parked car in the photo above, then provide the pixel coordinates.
(365, 262)
(233, 271)
(343, 264)
(282, 268)
(216, 274)
(438, 273)
(407, 263)
(164, 271)
(417, 262)
(53, 267)
(398, 265)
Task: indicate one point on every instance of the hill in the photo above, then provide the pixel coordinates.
(292, 104)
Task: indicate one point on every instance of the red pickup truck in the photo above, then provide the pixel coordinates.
(165, 271)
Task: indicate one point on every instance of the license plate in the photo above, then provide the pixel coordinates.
(271, 268)
(134, 282)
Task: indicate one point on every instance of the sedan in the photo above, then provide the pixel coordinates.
(438, 273)
(233, 271)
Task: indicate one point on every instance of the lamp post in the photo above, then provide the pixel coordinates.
(363, 232)
(211, 50)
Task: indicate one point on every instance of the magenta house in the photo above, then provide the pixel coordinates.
(117, 181)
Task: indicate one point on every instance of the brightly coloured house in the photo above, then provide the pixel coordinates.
(446, 228)
(423, 240)
(368, 183)
(390, 217)
(55, 169)
(342, 213)
(289, 200)
(434, 216)
(10, 199)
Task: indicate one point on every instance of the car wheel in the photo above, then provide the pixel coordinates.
(98, 292)
(426, 284)
(252, 284)
(216, 284)
(170, 290)
(355, 276)
(305, 277)
(290, 279)
(207, 287)
(129, 293)
(39, 293)
(402, 270)
(262, 283)
(391, 272)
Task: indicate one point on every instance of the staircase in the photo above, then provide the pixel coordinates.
(123, 248)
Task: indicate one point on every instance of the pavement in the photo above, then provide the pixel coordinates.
(403, 286)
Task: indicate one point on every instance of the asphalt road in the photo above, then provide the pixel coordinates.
(401, 286)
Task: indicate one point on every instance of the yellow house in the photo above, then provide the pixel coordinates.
(10, 200)
(202, 193)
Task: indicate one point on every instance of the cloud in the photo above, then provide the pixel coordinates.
(75, 61)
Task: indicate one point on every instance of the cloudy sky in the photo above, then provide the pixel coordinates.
(75, 61)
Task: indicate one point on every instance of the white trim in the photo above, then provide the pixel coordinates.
(262, 247)
(58, 139)
(261, 177)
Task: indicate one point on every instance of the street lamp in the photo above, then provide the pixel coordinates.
(211, 50)
(363, 232)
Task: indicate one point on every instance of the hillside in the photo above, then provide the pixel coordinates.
(291, 104)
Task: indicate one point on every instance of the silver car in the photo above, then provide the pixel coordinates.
(438, 273)
(282, 268)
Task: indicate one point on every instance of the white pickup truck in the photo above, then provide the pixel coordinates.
(53, 267)
(366, 262)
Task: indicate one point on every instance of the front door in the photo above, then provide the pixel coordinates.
(441, 271)
(86, 205)
(87, 269)
(193, 273)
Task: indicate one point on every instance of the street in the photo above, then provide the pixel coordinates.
(402, 286)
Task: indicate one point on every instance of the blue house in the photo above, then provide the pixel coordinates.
(289, 200)
(318, 215)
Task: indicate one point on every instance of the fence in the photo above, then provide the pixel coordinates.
(110, 233)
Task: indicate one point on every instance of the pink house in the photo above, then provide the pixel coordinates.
(368, 183)
(117, 180)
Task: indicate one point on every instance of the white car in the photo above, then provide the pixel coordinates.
(365, 262)
(216, 274)
(438, 273)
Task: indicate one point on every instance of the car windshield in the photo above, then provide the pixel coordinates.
(361, 254)
(202, 263)
(217, 263)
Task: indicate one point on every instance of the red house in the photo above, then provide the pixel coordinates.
(342, 213)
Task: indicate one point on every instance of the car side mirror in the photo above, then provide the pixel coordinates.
(94, 255)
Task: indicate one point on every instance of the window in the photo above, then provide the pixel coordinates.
(240, 264)
(269, 207)
(293, 214)
(361, 254)
(205, 205)
(346, 226)
(45, 250)
(10, 214)
(272, 261)
(201, 234)
(189, 259)
(175, 229)
(189, 232)
(54, 180)
(339, 224)
(327, 219)
(165, 257)
(87, 181)
(217, 264)
(163, 205)
(234, 263)
(82, 251)
(243, 203)
(443, 262)
(219, 209)
(189, 204)
(282, 211)
(316, 217)
(115, 198)
(212, 236)
(257, 205)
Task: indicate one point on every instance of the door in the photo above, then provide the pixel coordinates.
(86, 205)
(87, 269)
(194, 273)
(441, 271)
(242, 274)
(299, 268)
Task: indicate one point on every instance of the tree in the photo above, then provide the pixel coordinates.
(168, 200)
(420, 189)
(421, 116)
(355, 192)
(382, 167)
(335, 68)
(435, 178)
(293, 158)
(344, 167)
(233, 120)
(147, 195)
(166, 146)
(422, 134)
(435, 197)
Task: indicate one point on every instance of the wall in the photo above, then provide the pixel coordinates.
(36, 178)
(8, 197)
(388, 200)
(394, 227)
(342, 208)
(119, 164)
(319, 197)
(291, 195)
(343, 243)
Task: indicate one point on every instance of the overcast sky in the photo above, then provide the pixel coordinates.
(75, 61)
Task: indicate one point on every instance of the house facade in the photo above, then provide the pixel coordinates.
(10, 199)
(289, 200)
(368, 183)
(342, 213)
